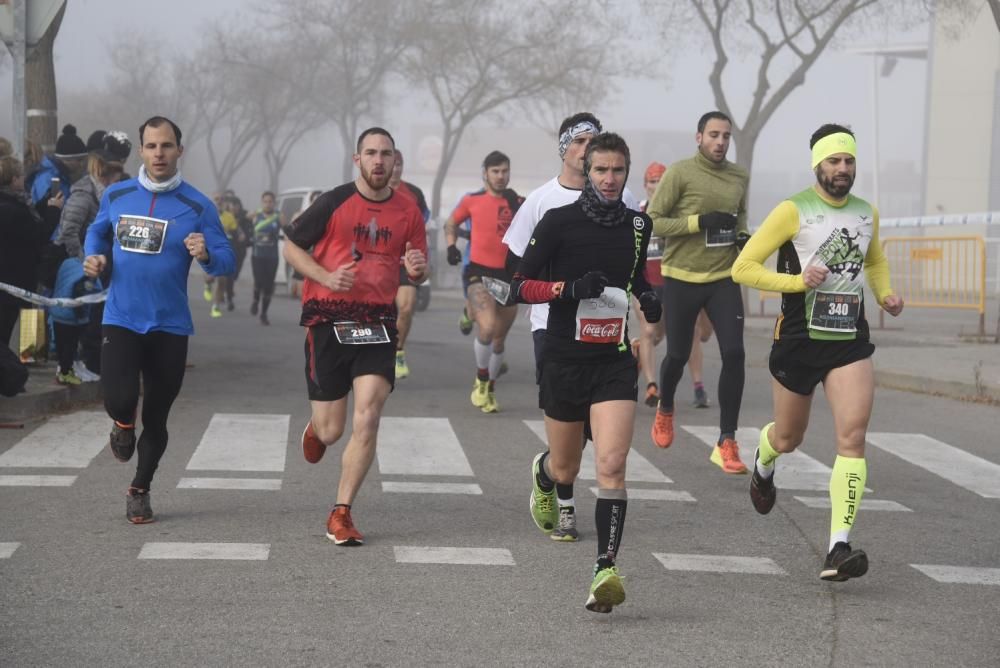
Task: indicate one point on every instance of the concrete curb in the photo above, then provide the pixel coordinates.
(55, 400)
(942, 388)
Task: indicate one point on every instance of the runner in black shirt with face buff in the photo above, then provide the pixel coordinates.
(586, 259)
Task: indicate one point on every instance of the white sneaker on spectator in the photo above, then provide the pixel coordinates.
(85, 374)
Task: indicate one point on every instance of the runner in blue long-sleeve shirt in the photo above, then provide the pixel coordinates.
(152, 227)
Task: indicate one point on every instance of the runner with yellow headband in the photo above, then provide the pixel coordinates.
(827, 244)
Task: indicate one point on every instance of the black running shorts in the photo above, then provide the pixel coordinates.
(567, 389)
(331, 366)
(801, 364)
(474, 273)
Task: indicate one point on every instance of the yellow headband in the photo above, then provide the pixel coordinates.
(839, 142)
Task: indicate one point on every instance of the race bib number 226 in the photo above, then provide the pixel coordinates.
(141, 234)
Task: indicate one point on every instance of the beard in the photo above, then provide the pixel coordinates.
(376, 182)
(837, 189)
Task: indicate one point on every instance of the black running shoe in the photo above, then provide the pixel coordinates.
(843, 563)
(137, 508)
(122, 442)
(762, 490)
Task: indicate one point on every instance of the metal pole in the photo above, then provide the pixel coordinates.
(18, 52)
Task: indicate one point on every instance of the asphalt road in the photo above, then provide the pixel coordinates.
(74, 590)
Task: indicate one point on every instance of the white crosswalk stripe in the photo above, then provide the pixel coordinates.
(266, 484)
(37, 480)
(469, 556)
(716, 563)
(866, 503)
(637, 467)
(242, 442)
(420, 446)
(960, 574)
(973, 473)
(226, 551)
(64, 441)
(7, 549)
(431, 487)
(655, 494)
(795, 470)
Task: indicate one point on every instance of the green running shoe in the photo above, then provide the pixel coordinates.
(491, 405)
(207, 294)
(606, 591)
(480, 393)
(465, 323)
(402, 370)
(542, 504)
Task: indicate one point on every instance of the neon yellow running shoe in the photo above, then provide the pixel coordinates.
(480, 393)
(491, 405)
(465, 323)
(606, 591)
(216, 311)
(542, 503)
(402, 370)
(207, 294)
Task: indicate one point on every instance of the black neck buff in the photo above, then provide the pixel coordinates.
(609, 213)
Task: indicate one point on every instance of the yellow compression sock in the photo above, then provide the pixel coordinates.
(847, 485)
(766, 454)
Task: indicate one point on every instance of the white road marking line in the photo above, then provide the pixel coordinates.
(64, 441)
(866, 503)
(267, 484)
(242, 442)
(960, 574)
(469, 556)
(431, 487)
(230, 551)
(965, 470)
(637, 467)
(656, 494)
(420, 446)
(717, 563)
(795, 470)
(37, 480)
(8, 549)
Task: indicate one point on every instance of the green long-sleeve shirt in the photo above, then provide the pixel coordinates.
(689, 188)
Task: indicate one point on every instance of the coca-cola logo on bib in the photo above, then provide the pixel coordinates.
(594, 330)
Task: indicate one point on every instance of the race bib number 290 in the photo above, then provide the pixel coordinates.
(141, 234)
(356, 333)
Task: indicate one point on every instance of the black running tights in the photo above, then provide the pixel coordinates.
(264, 271)
(723, 303)
(159, 358)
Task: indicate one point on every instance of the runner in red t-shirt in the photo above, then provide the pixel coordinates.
(490, 210)
(406, 296)
(358, 231)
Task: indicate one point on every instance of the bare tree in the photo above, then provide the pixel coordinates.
(273, 76)
(779, 32)
(995, 8)
(478, 59)
(219, 97)
(355, 44)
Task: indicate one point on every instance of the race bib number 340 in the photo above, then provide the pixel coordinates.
(141, 234)
(835, 312)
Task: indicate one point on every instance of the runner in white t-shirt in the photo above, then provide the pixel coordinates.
(575, 134)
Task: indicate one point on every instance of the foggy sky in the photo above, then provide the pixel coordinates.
(837, 89)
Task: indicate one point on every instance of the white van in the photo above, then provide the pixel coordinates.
(290, 204)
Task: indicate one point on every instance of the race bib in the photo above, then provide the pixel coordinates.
(141, 234)
(500, 290)
(721, 237)
(835, 312)
(654, 251)
(357, 333)
(602, 319)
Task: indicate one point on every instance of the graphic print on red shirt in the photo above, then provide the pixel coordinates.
(342, 225)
